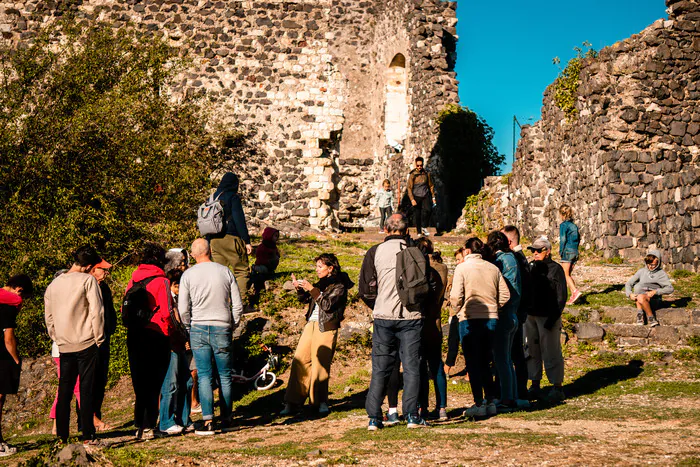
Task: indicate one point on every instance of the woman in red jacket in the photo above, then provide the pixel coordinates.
(147, 340)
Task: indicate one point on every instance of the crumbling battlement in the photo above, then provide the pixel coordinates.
(316, 81)
(630, 163)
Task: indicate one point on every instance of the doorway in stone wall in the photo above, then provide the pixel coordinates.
(396, 106)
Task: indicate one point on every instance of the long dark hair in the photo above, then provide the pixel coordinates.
(497, 240)
(475, 245)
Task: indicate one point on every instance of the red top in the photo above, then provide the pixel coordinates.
(9, 298)
(158, 296)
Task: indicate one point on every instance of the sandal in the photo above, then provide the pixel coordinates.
(7, 450)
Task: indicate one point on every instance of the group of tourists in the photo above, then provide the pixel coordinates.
(506, 318)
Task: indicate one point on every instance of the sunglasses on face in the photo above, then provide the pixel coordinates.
(537, 250)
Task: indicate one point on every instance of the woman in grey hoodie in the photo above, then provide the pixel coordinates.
(647, 285)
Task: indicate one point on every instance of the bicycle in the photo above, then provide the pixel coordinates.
(263, 379)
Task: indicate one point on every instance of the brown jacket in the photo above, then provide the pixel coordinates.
(419, 178)
(478, 289)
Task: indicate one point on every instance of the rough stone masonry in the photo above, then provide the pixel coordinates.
(339, 93)
(629, 164)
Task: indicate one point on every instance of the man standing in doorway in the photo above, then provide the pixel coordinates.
(421, 192)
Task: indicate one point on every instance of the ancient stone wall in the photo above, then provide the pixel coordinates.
(307, 78)
(629, 164)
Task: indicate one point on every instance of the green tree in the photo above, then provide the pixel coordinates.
(94, 151)
(468, 155)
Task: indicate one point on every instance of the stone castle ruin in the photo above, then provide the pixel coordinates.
(340, 94)
(629, 164)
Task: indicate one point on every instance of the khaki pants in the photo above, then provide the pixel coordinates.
(230, 251)
(544, 346)
(311, 366)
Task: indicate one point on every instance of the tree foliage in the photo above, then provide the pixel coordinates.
(93, 150)
(468, 155)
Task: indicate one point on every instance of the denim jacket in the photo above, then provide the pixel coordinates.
(507, 263)
(568, 237)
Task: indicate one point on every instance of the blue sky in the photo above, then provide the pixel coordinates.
(505, 51)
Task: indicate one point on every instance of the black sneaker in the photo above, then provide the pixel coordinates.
(415, 421)
(205, 429)
(374, 424)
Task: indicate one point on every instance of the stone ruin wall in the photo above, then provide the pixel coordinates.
(629, 165)
(306, 78)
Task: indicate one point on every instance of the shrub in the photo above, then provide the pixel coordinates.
(566, 84)
(83, 110)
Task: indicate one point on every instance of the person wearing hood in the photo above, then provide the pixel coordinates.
(267, 255)
(232, 246)
(148, 344)
(647, 286)
(311, 367)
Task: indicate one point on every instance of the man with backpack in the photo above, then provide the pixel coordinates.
(228, 238)
(75, 321)
(394, 284)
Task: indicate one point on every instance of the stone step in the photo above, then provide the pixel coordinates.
(633, 334)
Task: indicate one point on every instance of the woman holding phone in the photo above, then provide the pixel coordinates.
(311, 366)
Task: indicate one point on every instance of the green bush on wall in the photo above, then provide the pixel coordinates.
(566, 84)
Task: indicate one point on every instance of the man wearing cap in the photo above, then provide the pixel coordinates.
(99, 272)
(543, 325)
(75, 321)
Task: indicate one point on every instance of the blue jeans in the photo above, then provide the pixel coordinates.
(388, 337)
(208, 342)
(477, 337)
(176, 393)
(432, 361)
(502, 355)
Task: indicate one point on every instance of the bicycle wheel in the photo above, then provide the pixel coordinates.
(265, 382)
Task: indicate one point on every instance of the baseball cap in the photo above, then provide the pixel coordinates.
(102, 265)
(540, 243)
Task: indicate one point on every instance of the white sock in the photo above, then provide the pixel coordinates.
(392, 410)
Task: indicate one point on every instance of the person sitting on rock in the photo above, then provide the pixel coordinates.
(647, 286)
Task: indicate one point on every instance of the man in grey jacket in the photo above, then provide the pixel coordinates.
(210, 307)
(647, 286)
(395, 327)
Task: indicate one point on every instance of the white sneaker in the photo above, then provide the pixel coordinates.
(174, 430)
(425, 232)
(475, 411)
(491, 409)
(148, 434)
(323, 408)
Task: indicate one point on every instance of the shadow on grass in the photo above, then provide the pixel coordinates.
(682, 302)
(600, 378)
(588, 297)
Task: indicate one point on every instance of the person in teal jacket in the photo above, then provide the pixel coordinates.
(568, 249)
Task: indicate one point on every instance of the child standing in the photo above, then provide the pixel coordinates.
(385, 203)
(568, 248)
(647, 286)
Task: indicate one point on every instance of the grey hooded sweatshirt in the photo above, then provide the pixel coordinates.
(645, 280)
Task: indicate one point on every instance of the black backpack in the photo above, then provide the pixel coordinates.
(136, 312)
(412, 282)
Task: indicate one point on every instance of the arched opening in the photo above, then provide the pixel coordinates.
(396, 107)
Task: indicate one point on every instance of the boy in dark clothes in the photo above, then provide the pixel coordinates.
(17, 288)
